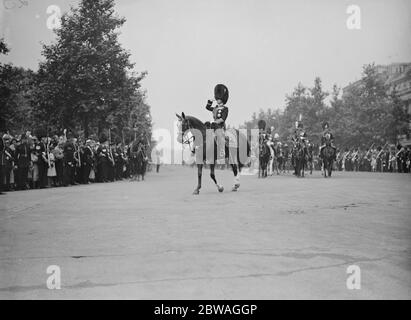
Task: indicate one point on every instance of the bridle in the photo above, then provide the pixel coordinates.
(189, 140)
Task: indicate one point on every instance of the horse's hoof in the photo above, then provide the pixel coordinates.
(235, 188)
(196, 191)
(220, 189)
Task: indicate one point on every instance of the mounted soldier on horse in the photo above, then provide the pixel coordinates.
(138, 159)
(328, 152)
(220, 113)
(208, 142)
(264, 149)
(299, 149)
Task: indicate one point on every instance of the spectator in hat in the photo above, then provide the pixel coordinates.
(58, 160)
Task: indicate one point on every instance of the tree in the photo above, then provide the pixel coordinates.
(86, 80)
(367, 113)
(16, 85)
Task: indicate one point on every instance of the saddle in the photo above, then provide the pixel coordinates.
(228, 141)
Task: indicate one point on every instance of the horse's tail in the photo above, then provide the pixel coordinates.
(248, 146)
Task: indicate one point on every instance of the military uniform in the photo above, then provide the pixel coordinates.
(23, 158)
(40, 151)
(327, 136)
(119, 162)
(69, 169)
(87, 162)
(299, 133)
(220, 114)
(7, 162)
(103, 162)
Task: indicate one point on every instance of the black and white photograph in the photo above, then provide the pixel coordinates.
(198, 150)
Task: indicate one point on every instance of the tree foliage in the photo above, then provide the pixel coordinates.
(86, 81)
(16, 86)
(367, 113)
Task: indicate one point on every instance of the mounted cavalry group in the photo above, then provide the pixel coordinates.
(212, 144)
(299, 155)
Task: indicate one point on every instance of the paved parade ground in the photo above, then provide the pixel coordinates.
(279, 237)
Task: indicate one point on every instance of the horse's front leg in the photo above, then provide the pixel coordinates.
(200, 172)
(220, 188)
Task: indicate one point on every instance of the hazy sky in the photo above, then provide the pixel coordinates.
(260, 49)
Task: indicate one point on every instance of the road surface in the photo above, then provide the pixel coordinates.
(277, 238)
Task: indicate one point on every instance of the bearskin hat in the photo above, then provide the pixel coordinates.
(221, 93)
(261, 124)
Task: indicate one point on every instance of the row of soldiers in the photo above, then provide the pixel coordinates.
(375, 159)
(29, 162)
(387, 158)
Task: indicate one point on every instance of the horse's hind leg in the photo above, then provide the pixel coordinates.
(236, 177)
(200, 172)
(212, 175)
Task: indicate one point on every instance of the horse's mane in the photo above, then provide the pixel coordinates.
(196, 123)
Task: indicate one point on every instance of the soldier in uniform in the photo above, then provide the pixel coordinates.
(112, 162)
(23, 158)
(118, 160)
(299, 132)
(327, 134)
(7, 162)
(87, 161)
(40, 150)
(355, 160)
(220, 113)
(103, 160)
(270, 144)
(399, 156)
(69, 169)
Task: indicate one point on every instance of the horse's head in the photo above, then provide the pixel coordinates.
(183, 125)
(188, 125)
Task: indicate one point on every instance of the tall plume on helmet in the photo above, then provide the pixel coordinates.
(221, 93)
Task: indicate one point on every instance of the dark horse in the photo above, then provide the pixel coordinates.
(299, 156)
(285, 151)
(138, 161)
(327, 156)
(263, 157)
(189, 124)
